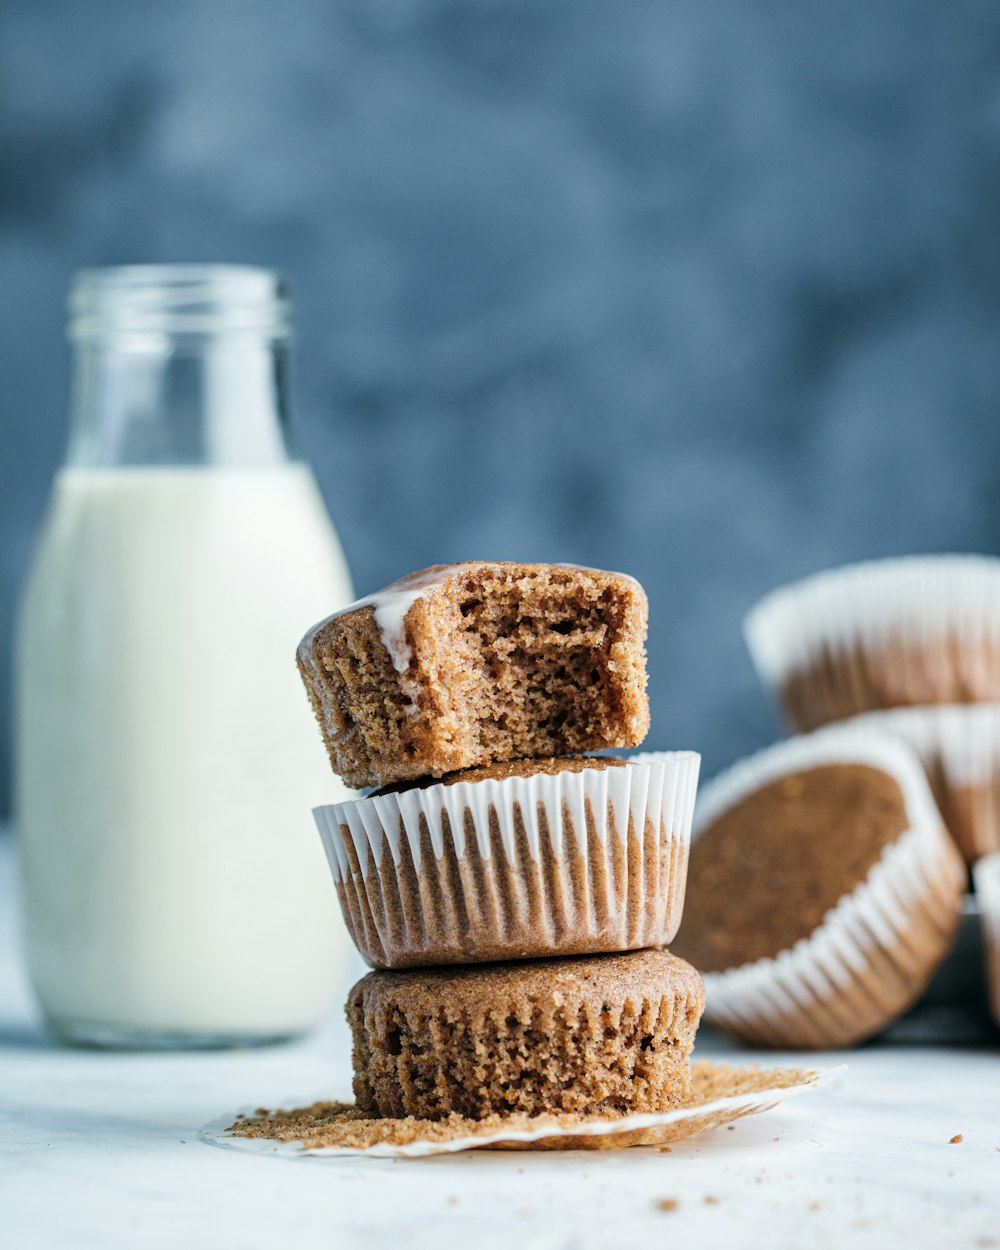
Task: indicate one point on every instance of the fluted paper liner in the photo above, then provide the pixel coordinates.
(875, 951)
(959, 747)
(570, 864)
(987, 878)
(886, 633)
(720, 1095)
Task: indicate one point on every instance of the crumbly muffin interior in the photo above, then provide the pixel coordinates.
(535, 672)
(766, 872)
(509, 662)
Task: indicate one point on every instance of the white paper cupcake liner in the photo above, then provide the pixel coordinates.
(876, 948)
(886, 633)
(986, 875)
(959, 747)
(649, 1128)
(574, 863)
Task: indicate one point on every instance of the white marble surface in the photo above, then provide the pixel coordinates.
(101, 1150)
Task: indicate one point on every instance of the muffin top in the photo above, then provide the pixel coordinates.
(765, 871)
(478, 989)
(550, 767)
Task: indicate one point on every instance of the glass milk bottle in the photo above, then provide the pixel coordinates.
(175, 890)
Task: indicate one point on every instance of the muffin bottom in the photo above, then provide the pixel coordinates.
(894, 977)
(609, 1032)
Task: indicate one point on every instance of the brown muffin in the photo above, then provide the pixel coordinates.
(804, 840)
(509, 768)
(568, 1035)
(823, 890)
(959, 747)
(463, 665)
(525, 860)
(908, 632)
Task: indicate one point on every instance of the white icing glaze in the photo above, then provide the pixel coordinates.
(392, 603)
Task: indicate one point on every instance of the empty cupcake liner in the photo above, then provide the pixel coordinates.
(887, 633)
(876, 949)
(523, 867)
(986, 875)
(747, 1091)
(959, 747)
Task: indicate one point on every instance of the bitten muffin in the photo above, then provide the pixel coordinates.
(823, 891)
(887, 633)
(462, 665)
(517, 860)
(611, 1032)
(959, 747)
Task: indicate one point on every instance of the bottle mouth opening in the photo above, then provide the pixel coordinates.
(179, 299)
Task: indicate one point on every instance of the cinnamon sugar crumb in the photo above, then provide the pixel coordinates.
(956, 1140)
(668, 1204)
(711, 1200)
(343, 1125)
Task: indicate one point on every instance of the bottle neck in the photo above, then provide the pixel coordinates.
(179, 366)
(217, 401)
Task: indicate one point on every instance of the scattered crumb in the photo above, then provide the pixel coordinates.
(732, 1129)
(711, 1200)
(668, 1204)
(815, 1206)
(261, 1111)
(664, 1150)
(344, 1125)
(956, 1139)
(775, 1139)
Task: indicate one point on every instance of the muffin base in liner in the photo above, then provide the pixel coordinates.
(720, 1095)
(524, 867)
(886, 633)
(959, 747)
(986, 875)
(876, 950)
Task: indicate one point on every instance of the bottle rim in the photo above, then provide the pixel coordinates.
(206, 299)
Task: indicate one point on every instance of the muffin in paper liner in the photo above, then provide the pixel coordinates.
(524, 867)
(986, 875)
(959, 747)
(886, 633)
(873, 953)
(720, 1094)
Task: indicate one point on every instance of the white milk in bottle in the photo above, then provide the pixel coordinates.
(175, 891)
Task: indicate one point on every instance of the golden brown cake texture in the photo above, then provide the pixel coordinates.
(606, 1033)
(566, 890)
(511, 768)
(766, 872)
(502, 661)
(895, 976)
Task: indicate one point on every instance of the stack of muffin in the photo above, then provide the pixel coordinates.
(512, 891)
(841, 824)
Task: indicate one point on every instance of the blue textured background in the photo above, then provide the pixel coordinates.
(709, 292)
